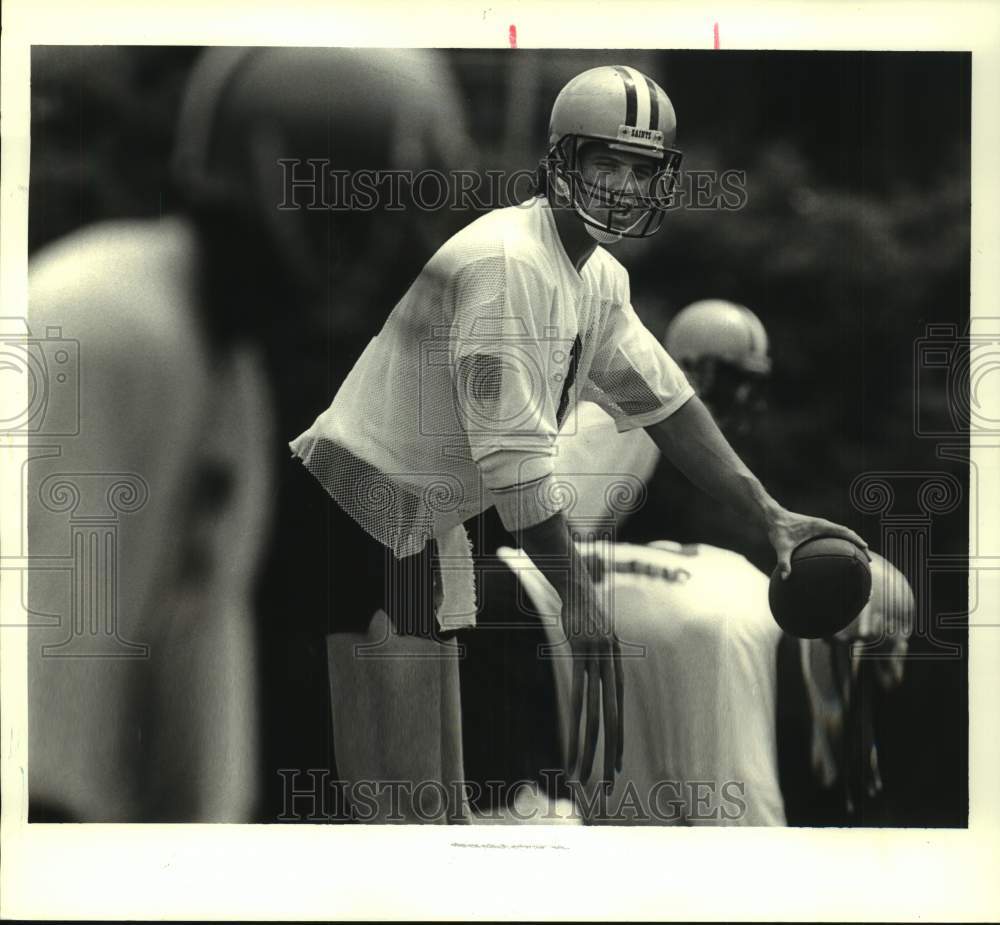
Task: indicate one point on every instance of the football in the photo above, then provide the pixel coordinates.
(830, 584)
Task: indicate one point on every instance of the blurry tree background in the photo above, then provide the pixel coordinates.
(854, 236)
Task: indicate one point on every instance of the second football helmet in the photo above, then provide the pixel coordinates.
(265, 132)
(723, 348)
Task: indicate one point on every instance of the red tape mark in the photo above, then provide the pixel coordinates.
(715, 30)
(512, 36)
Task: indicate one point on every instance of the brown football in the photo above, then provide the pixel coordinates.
(830, 583)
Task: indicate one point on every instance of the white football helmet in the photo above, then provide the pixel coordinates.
(724, 351)
(626, 111)
(720, 330)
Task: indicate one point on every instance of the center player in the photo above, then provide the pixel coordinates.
(455, 408)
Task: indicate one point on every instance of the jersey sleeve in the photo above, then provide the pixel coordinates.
(501, 385)
(632, 376)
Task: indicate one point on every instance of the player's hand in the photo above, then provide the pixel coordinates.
(786, 530)
(598, 685)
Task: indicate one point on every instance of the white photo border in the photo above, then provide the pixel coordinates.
(329, 872)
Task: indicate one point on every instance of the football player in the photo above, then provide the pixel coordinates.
(455, 406)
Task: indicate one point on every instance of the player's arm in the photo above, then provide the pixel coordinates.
(692, 441)
(80, 752)
(590, 632)
(636, 381)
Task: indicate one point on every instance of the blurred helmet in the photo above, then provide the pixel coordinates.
(359, 107)
(723, 348)
(622, 110)
(720, 330)
(261, 129)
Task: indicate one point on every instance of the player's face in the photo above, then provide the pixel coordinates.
(613, 179)
(736, 399)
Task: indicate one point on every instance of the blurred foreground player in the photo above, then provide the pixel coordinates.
(142, 694)
(455, 407)
(197, 332)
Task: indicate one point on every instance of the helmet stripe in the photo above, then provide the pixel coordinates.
(654, 105)
(631, 104)
(642, 98)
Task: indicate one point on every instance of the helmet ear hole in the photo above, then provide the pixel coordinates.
(552, 179)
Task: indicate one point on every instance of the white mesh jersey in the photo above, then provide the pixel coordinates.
(456, 404)
(700, 661)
